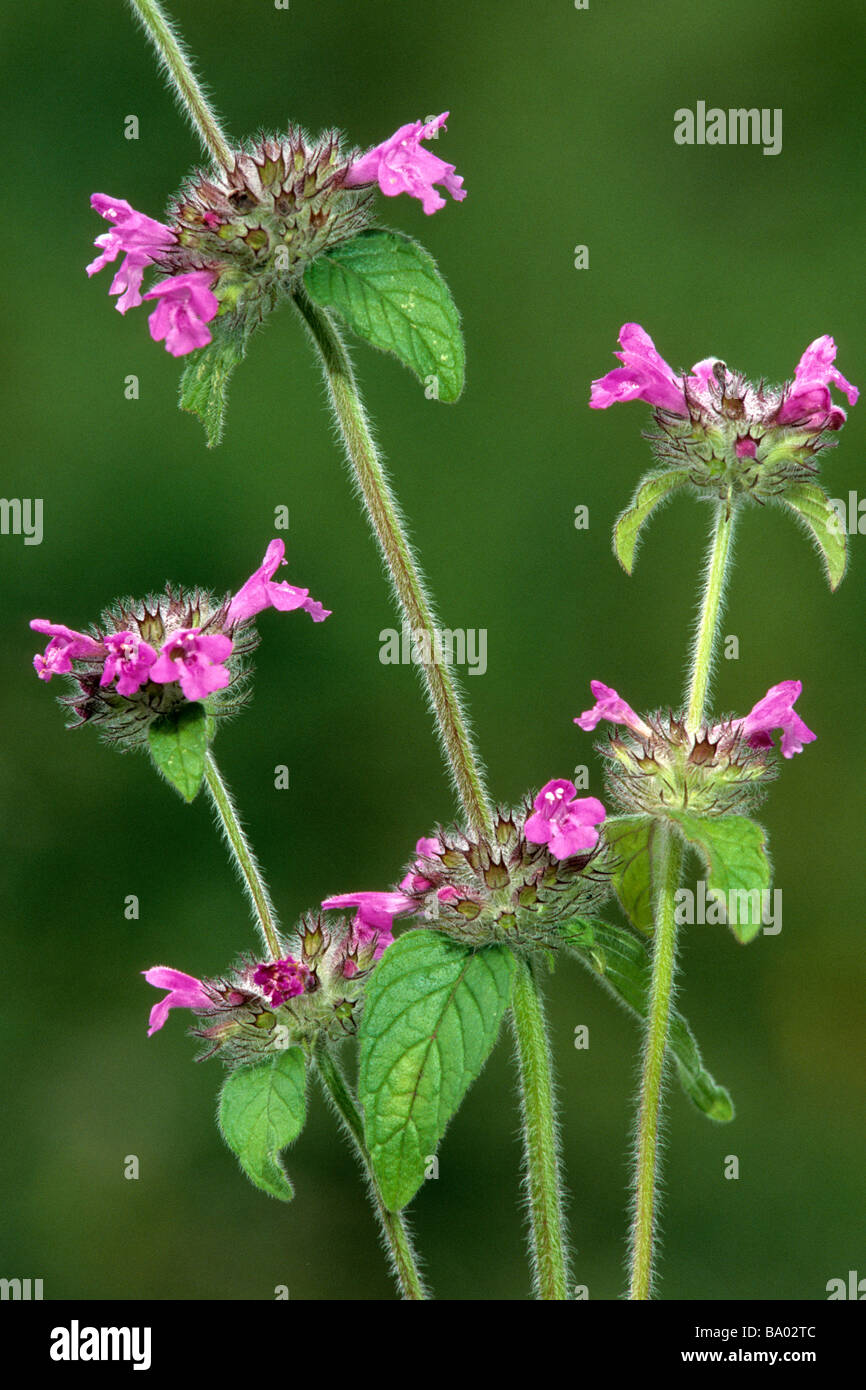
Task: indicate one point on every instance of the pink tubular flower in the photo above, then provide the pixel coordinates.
(261, 591)
(194, 659)
(564, 824)
(280, 980)
(776, 711)
(609, 705)
(184, 992)
(416, 881)
(400, 165)
(186, 306)
(375, 915)
(134, 234)
(644, 375)
(65, 646)
(809, 400)
(129, 659)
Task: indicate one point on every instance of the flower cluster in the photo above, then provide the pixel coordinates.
(149, 659)
(656, 765)
(540, 866)
(238, 239)
(313, 990)
(731, 436)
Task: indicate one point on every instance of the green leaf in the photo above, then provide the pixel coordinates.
(389, 291)
(738, 870)
(178, 744)
(626, 971)
(431, 1017)
(261, 1110)
(811, 506)
(633, 840)
(205, 380)
(655, 488)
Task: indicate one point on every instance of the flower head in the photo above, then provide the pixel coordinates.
(563, 822)
(723, 433)
(776, 711)
(185, 307)
(261, 591)
(314, 989)
(401, 165)
(148, 659)
(140, 238)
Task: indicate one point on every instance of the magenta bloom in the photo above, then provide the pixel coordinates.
(809, 401)
(184, 992)
(375, 915)
(185, 308)
(129, 659)
(776, 711)
(194, 659)
(280, 980)
(644, 375)
(609, 705)
(400, 165)
(564, 824)
(137, 236)
(415, 881)
(261, 591)
(65, 646)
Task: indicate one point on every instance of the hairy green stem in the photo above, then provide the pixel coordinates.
(176, 63)
(668, 866)
(667, 878)
(395, 1233)
(711, 608)
(540, 1138)
(400, 561)
(244, 858)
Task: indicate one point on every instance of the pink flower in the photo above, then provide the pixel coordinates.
(194, 659)
(644, 375)
(261, 591)
(129, 659)
(415, 881)
(139, 237)
(184, 992)
(186, 306)
(400, 165)
(280, 980)
(776, 711)
(65, 646)
(564, 824)
(809, 400)
(375, 916)
(610, 706)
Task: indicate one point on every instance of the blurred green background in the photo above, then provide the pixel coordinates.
(562, 125)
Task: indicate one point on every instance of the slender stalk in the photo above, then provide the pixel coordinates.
(177, 66)
(395, 1233)
(245, 860)
(669, 864)
(711, 608)
(400, 561)
(540, 1138)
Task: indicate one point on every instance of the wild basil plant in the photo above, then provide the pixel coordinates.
(492, 899)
